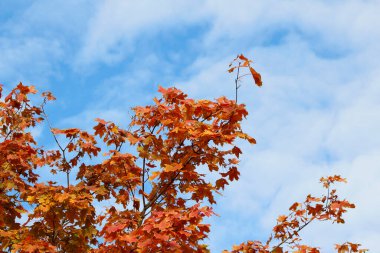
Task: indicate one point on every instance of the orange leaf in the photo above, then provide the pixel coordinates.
(172, 167)
(256, 76)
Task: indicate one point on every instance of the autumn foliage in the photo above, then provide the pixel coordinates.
(157, 178)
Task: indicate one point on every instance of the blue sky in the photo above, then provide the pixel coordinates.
(317, 114)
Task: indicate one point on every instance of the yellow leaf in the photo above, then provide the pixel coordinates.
(172, 167)
(30, 198)
(115, 130)
(154, 175)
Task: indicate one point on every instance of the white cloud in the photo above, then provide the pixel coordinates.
(28, 60)
(315, 116)
(116, 25)
(317, 113)
(38, 38)
(348, 23)
(45, 18)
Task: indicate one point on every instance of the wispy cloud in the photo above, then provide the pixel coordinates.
(28, 60)
(117, 24)
(317, 113)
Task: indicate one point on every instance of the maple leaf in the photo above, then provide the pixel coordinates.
(115, 228)
(48, 95)
(172, 167)
(154, 175)
(256, 76)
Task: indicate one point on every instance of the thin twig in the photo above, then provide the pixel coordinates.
(59, 145)
(236, 83)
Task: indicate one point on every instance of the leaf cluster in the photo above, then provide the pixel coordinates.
(157, 178)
